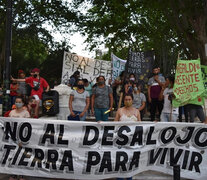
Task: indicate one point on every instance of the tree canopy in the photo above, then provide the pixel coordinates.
(169, 27)
(32, 42)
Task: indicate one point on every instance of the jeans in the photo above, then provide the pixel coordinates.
(155, 104)
(185, 109)
(77, 117)
(99, 114)
(130, 178)
(165, 117)
(196, 110)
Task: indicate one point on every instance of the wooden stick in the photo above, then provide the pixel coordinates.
(171, 113)
(205, 107)
(178, 55)
(120, 99)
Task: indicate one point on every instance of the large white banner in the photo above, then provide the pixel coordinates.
(118, 66)
(89, 68)
(90, 150)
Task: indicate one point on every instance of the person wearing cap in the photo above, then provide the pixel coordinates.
(38, 85)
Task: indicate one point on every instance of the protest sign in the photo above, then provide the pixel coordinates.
(204, 76)
(89, 68)
(118, 66)
(188, 87)
(90, 150)
(140, 64)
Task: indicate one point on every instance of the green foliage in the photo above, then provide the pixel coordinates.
(32, 42)
(168, 27)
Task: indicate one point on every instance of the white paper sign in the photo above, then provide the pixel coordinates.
(89, 68)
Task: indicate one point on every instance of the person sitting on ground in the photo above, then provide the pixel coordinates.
(102, 100)
(79, 102)
(169, 113)
(128, 112)
(139, 101)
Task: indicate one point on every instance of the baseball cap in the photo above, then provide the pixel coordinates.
(20, 71)
(35, 70)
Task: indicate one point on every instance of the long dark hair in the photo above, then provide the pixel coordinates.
(75, 74)
(79, 81)
(22, 98)
(128, 94)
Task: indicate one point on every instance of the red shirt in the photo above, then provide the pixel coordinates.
(13, 89)
(33, 82)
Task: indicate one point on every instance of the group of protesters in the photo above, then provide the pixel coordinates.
(99, 99)
(26, 94)
(25, 98)
(127, 95)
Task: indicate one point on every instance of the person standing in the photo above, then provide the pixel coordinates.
(74, 79)
(197, 111)
(128, 87)
(183, 109)
(88, 86)
(117, 88)
(102, 100)
(79, 102)
(169, 113)
(22, 85)
(139, 101)
(155, 85)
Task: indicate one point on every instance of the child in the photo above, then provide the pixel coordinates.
(13, 91)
